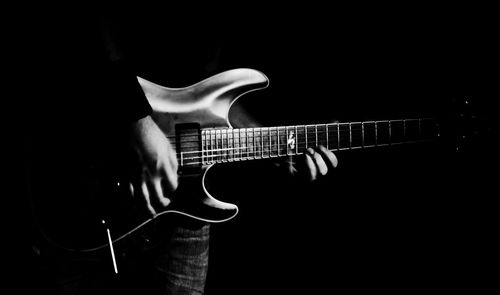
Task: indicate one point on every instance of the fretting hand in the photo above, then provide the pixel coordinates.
(316, 162)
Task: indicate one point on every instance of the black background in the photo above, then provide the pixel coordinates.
(392, 219)
(397, 219)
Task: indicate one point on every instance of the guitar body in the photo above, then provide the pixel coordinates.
(105, 205)
(203, 105)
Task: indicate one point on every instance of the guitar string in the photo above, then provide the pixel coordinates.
(302, 127)
(237, 140)
(274, 152)
(221, 159)
(239, 133)
(249, 153)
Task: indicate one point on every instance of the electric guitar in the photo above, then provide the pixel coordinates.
(195, 119)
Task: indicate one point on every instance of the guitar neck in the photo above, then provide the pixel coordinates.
(239, 144)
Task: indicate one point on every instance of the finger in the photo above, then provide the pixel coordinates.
(169, 174)
(172, 157)
(311, 167)
(131, 189)
(290, 166)
(172, 166)
(331, 159)
(320, 163)
(157, 197)
(145, 197)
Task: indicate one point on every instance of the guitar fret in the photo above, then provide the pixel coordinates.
(262, 142)
(256, 143)
(222, 146)
(269, 138)
(230, 144)
(363, 134)
(404, 130)
(322, 135)
(236, 141)
(296, 140)
(253, 144)
(209, 145)
(397, 131)
(247, 144)
(202, 147)
(287, 142)
(311, 136)
(419, 128)
(283, 147)
(356, 133)
(383, 133)
(390, 133)
(240, 144)
(218, 145)
(278, 140)
(213, 143)
(344, 136)
(338, 137)
(327, 143)
(301, 139)
(274, 141)
(226, 145)
(350, 136)
(305, 132)
(369, 134)
(243, 145)
(316, 133)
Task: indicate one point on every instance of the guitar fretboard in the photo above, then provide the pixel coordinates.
(239, 144)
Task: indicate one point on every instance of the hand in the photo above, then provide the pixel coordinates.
(319, 161)
(316, 162)
(154, 179)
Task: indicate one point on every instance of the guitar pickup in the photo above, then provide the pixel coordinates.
(188, 146)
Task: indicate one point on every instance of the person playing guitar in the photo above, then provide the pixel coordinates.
(110, 119)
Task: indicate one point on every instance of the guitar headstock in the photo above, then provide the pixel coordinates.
(469, 122)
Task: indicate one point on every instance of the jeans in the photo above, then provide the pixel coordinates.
(178, 265)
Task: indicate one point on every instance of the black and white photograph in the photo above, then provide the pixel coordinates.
(252, 149)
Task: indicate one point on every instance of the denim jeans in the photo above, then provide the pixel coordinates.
(178, 265)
